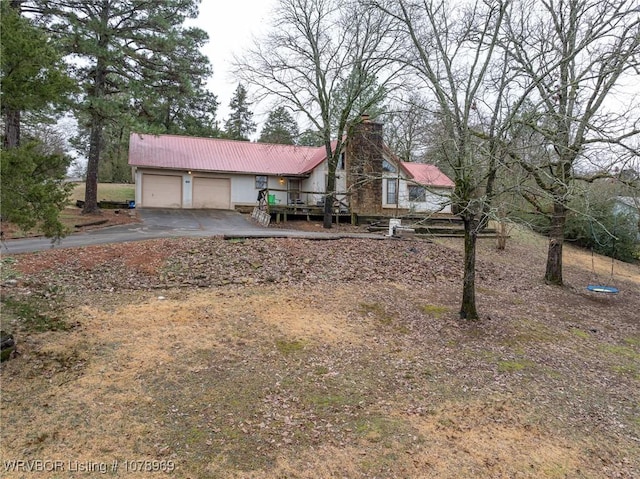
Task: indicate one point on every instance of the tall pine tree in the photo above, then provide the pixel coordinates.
(239, 125)
(33, 76)
(180, 103)
(280, 127)
(128, 50)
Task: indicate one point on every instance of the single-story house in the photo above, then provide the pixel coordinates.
(187, 172)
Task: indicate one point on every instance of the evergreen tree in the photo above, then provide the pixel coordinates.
(179, 103)
(239, 125)
(33, 82)
(33, 76)
(594, 223)
(280, 128)
(33, 191)
(370, 101)
(132, 53)
(310, 137)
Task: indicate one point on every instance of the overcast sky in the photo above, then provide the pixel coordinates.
(231, 25)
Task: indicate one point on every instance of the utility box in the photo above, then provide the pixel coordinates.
(393, 224)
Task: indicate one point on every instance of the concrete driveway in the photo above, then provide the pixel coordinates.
(215, 222)
(168, 223)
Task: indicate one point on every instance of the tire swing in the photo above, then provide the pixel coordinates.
(597, 286)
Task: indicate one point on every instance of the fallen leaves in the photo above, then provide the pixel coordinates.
(170, 263)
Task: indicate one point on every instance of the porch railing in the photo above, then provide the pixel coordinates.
(269, 201)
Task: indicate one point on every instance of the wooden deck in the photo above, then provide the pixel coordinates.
(309, 212)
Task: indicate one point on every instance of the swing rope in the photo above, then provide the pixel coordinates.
(603, 288)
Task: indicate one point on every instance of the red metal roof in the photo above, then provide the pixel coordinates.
(211, 154)
(428, 175)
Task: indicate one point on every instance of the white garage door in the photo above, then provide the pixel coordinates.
(213, 193)
(161, 191)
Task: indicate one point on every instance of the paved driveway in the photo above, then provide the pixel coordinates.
(215, 222)
(166, 223)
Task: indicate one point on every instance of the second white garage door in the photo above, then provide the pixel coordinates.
(161, 191)
(214, 193)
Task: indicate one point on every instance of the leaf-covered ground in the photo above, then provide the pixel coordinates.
(317, 359)
(74, 220)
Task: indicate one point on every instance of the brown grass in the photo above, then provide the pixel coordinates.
(337, 380)
(106, 191)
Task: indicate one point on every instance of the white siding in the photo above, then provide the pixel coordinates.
(187, 190)
(437, 200)
(243, 190)
(317, 182)
(281, 196)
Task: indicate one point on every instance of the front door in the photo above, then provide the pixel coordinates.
(294, 192)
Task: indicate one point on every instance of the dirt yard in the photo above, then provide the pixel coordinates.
(283, 358)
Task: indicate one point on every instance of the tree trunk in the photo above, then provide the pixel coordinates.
(502, 229)
(501, 242)
(12, 117)
(11, 128)
(556, 240)
(91, 191)
(96, 110)
(331, 188)
(328, 211)
(468, 309)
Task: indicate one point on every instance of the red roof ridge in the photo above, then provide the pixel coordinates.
(242, 142)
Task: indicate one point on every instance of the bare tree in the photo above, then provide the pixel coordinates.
(454, 52)
(407, 127)
(328, 60)
(571, 57)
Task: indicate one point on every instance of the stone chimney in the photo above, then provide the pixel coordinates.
(363, 162)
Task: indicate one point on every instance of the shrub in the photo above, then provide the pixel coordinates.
(594, 223)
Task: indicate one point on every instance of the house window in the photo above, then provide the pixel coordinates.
(261, 182)
(386, 166)
(341, 162)
(417, 193)
(392, 191)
